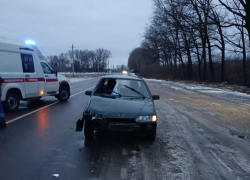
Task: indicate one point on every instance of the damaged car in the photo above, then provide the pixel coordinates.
(120, 103)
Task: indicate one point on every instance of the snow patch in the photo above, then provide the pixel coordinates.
(76, 80)
(154, 80)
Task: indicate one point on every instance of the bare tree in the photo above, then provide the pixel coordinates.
(189, 39)
(240, 9)
(240, 19)
(102, 56)
(217, 19)
(85, 60)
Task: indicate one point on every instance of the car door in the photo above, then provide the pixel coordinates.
(51, 81)
(30, 75)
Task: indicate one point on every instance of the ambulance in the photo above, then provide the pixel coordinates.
(26, 75)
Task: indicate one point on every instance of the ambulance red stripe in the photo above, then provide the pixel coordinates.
(13, 80)
(22, 80)
(51, 80)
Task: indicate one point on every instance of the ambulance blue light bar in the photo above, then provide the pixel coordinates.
(30, 42)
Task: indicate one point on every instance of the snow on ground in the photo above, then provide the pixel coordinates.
(83, 73)
(197, 87)
(79, 77)
(154, 80)
(204, 88)
(194, 89)
(76, 80)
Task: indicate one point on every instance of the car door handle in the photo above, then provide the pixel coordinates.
(27, 75)
(46, 76)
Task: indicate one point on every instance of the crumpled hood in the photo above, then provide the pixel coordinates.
(121, 108)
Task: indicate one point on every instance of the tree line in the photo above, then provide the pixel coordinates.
(83, 60)
(203, 40)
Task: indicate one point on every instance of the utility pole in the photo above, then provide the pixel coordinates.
(73, 63)
(98, 66)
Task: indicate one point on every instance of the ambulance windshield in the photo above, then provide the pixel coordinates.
(41, 57)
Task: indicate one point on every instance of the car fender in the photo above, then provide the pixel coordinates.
(6, 87)
(61, 78)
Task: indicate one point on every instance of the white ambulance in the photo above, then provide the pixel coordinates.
(26, 75)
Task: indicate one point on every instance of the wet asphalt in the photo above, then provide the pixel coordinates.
(191, 143)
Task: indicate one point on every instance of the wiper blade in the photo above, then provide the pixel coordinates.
(132, 89)
(117, 93)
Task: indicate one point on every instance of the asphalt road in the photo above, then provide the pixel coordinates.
(197, 138)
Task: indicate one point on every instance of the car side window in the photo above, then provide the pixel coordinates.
(28, 63)
(105, 84)
(46, 68)
(103, 87)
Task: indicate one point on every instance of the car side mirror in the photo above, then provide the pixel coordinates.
(88, 93)
(54, 72)
(155, 97)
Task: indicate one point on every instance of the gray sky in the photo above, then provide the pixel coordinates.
(116, 25)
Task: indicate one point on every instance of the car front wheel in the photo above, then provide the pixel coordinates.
(151, 136)
(64, 94)
(88, 129)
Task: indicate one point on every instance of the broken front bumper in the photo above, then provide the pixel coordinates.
(122, 125)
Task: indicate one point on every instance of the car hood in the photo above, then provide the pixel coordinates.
(121, 108)
(61, 78)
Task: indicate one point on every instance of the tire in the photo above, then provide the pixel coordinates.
(152, 135)
(39, 98)
(64, 94)
(12, 101)
(88, 129)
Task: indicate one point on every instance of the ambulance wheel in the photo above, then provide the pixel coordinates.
(37, 99)
(64, 94)
(12, 101)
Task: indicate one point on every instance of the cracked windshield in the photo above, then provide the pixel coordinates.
(125, 90)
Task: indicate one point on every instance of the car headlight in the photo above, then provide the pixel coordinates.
(98, 116)
(124, 72)
(146, 119)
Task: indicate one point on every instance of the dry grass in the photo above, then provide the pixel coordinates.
(234, 111)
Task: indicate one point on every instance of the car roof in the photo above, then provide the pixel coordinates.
(122, 77)
(13, 42)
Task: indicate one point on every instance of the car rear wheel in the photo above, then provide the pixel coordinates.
(64, 94)
(12, 101)
(88, 129)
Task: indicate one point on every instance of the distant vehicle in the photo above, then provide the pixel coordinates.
(124, 72)
(120, 103)
(26, 75)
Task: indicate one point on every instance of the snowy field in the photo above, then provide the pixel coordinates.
(77, 80)
(192, 88)
(82, 73)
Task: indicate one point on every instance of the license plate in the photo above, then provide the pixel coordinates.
(122, 124)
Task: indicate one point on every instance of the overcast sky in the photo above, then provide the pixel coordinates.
(116, 25)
